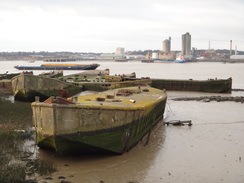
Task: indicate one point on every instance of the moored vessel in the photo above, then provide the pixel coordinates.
(59, 67)
(108, 122)
(177, 60)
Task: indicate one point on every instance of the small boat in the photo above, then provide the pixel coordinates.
(59, 67)
(179, 59)
(108, 122)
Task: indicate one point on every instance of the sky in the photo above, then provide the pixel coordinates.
(103, 25)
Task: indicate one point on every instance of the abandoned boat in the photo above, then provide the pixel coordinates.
(108, 122)
(27, 86)
(210, 85)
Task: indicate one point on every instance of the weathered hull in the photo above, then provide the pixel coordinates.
(214, 86)
(88, 129)
(102, 86)
(26, 87)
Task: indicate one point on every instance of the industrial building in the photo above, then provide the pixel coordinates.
(167, 45)
(186, 44)
(166, 53)
(118, 55)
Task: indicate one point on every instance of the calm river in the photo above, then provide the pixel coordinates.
(211, 150)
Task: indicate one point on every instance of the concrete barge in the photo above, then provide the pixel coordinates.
(108, 122)
(26, 86)
(210, 85)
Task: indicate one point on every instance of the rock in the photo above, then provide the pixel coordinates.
(48, 178)
(64, 181)
(206, 100)
(61, 177)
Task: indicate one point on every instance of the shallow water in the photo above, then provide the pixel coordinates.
(193, 70)
(211, 150)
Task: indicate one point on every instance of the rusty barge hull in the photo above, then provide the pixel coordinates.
(91, 126)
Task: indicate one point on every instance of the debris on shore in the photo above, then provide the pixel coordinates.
(178, 122)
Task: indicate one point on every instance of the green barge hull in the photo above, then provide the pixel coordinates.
(102, 123)
(210, 85)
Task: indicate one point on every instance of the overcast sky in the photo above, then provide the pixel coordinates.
(103, 25)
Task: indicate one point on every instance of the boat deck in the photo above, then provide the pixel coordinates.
(131, 97)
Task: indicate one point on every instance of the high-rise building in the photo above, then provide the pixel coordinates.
(167, 45)
(186, 44)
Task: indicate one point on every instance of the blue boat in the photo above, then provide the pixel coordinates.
(59, 67)
(179, 59)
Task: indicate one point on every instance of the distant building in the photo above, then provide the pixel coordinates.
(135, 57)
(237, 57)
(166, 53)
(186, 44)
(167, 56)
(155, 55)
(167, 45)
(120, 51)
(111, 56)
(118, 55)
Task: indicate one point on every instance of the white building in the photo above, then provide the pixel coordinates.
(120, 50)
(111, 56)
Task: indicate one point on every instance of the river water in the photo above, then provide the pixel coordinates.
(211, 150)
